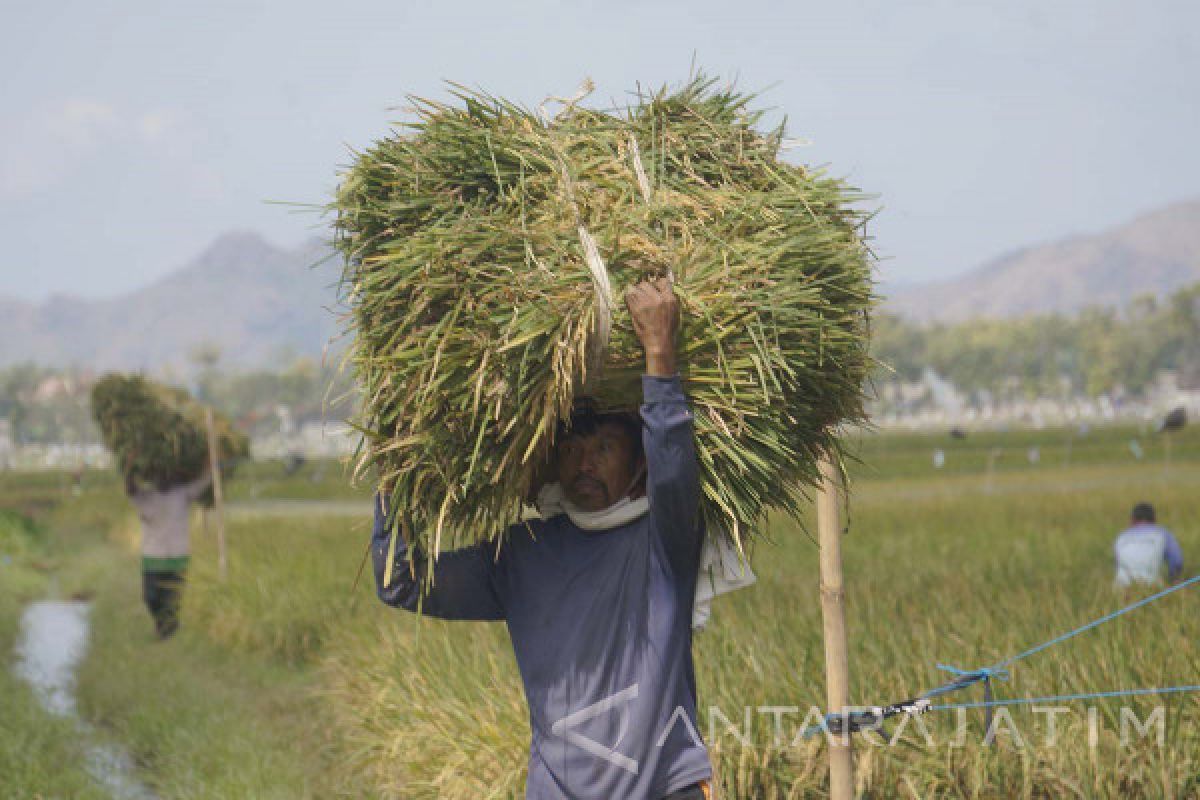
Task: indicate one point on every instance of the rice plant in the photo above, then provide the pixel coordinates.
(486, 250)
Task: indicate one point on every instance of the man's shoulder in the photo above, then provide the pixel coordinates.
(532, 529)
(1141, 531)
(147, 496)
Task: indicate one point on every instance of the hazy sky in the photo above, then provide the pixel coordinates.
(132, 134)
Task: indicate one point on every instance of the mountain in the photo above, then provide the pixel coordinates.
(252, 300)
(257, 302)
(1152, 254)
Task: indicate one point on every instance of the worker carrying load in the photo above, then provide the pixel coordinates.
(487, 253)
(159, 441)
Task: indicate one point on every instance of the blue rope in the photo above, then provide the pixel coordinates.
(1062, 698)
(831, 720)
(969, 677)
(966, 678)
(1107, 618)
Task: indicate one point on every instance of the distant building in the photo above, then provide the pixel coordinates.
(1175, 389)
(945, 396)
(310, 437)
(54, 386)
(1187, 391)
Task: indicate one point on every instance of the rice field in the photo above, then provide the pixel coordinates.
(290, 681)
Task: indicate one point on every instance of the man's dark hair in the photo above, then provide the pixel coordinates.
(586, 419)
(1143, 512)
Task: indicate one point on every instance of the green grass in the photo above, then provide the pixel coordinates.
(286, 682)
(324, 479)
(202, 721)
(953, 574)
(39, 755)
(910, 455)
(231, 706)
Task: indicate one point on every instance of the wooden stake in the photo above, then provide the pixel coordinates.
(218, 503)
(833, 612)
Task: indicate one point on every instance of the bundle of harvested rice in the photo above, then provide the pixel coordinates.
(158, 434)
(487, 248)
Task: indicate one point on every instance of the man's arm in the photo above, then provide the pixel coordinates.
(672, 474)
(463, 580)
(1173, 554)
(198, 486)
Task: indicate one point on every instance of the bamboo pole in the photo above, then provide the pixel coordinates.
(833, 612)
(218, 502)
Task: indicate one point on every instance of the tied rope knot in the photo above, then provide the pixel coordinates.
(968, 677)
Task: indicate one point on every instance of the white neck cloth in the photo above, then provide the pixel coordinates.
(722, 569)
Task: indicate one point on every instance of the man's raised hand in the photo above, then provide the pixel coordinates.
(654, 310)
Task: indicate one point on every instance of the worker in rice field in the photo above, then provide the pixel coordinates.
(163, 513)
(1143, 548)
(598, 599)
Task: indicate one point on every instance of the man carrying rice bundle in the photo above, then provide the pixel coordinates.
(159, 438)
(484, 245)
(163, 514)
(598, 600)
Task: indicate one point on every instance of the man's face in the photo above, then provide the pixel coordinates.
(595, 470)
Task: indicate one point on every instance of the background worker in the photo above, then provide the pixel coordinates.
(166, 545)
(1143, 548)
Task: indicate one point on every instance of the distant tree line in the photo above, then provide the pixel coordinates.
(1092, 353)
(1096, 352)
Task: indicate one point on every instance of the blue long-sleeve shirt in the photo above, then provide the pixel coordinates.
(600, 623)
